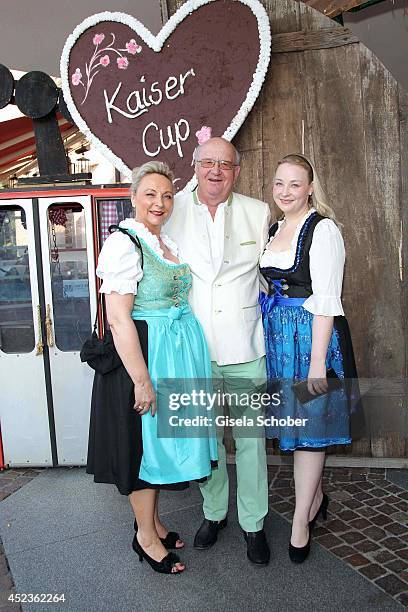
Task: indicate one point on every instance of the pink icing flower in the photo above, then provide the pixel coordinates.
(98, 38)
(204, 134)
(132, 47)
(104, 61)
(122, 62)
(76, 77)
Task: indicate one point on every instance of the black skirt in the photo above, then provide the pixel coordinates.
(358, 427)
(115, 445)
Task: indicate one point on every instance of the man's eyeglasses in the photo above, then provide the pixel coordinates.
(210, 163)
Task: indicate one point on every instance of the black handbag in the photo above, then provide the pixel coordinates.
(100, 353)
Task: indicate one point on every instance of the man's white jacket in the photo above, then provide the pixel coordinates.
(225, 302)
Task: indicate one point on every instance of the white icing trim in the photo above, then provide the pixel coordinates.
(156, 43)
(150, 238)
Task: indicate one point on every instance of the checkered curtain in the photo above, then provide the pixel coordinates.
(109, 216)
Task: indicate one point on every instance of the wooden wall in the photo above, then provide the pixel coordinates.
(327, 89)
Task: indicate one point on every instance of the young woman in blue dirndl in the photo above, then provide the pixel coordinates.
(306, 335)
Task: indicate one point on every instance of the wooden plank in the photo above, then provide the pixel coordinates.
(383, 175)
(164, 11)
(403, 249)
(283, 16)
(403, 257)
(332, 8)
(382, 170)
(282, 116)
(305, 40)
(312, 19)
(249, 143)
(173, 6)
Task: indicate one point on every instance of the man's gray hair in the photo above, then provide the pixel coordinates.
(151, 167)
(196, 154)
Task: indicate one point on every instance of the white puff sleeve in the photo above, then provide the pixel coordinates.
(327, 258)
(119, 265)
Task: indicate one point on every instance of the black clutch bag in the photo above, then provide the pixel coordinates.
(303, 394)
(100, 353)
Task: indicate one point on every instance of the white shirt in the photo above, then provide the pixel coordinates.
(225, 302)
(214, 229)
(119, 264)
(327, 256)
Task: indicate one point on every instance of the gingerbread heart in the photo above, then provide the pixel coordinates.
(140, 98)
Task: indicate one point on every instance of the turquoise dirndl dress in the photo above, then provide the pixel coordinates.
(178, 362)
(137, 452)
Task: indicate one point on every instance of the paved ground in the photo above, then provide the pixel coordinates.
(63, 534)
(367, 525)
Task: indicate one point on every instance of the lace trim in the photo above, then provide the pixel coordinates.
(150, 239)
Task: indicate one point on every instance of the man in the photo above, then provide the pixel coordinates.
(221, 235)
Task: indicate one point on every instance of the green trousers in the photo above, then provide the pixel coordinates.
(252, 480)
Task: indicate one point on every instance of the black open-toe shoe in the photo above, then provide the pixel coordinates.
(169, 541)
(165, 566)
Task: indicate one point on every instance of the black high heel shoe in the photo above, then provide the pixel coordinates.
(164, 566)
(169, 541)
(322, 510)
(298, 554)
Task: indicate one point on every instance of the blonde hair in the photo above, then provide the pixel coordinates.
(152, 167)
(318, 198)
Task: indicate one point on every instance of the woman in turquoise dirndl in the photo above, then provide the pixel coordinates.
(307, 337)
(131, 441)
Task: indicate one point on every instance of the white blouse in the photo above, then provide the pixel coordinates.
(119, 264)
(327, 258)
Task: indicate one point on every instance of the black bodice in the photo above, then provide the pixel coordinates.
(296, 281)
